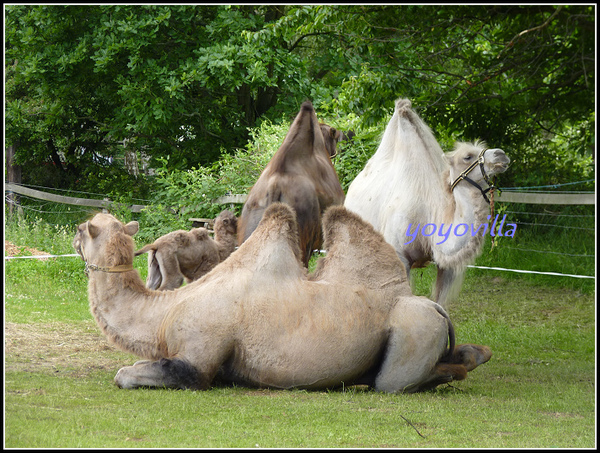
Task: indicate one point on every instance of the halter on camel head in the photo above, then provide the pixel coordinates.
(111, 270)
(480, 161)
(93, 267)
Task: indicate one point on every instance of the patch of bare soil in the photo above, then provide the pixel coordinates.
(11, 249)
(54, 347)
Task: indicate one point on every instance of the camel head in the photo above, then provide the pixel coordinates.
(105, 242)
(332, 136)
(475, 162)
(226, 223)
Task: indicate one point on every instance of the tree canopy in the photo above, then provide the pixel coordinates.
(88, 83)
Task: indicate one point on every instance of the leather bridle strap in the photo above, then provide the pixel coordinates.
(480, 161)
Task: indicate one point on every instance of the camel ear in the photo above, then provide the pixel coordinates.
(132, 227)
(93, 230)
(332, 132)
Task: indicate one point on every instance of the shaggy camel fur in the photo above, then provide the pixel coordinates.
(189, 254)
(258, 319)
(408, 183)
(300, 174)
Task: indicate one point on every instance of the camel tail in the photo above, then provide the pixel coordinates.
(145, 249)
(451, 336)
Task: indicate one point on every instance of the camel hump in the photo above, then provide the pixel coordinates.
(280, 213)
(277, 227)
(201, 234)
(307, 106)
(403, 106)
(338, 214)
(303, 140)
(145, 249)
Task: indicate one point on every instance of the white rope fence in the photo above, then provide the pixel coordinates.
(532, 272)
(37, 257)
(43, 257)
(40, 257)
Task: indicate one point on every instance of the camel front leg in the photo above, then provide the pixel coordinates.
(168, 373)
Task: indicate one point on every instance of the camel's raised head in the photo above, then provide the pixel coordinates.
(476, 161)
(332, 136)
(227, 222)
(94, 237)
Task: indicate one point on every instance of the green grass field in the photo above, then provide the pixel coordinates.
(537, 391)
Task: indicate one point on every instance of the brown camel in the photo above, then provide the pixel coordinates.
(258, 319)
(300, 174)
(189, 254)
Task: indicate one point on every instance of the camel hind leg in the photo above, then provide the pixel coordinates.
(418, 339)
(416, 357)
(469, 355)
(464, 358)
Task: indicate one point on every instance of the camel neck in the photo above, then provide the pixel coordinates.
(128, 313)
(226, 244)
(469, 205)
(467, 208)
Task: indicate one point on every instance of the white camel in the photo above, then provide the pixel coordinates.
(409, 183)
(259, 319)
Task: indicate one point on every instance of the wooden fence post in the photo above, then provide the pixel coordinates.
(13, 175)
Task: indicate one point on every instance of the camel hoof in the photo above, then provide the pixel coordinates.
(472, 355)
(123, 381)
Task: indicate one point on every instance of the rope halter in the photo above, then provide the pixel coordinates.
(112, 270)
(480, 161)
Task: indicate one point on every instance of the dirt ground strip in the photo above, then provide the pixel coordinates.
(50, 347)
(11, 249)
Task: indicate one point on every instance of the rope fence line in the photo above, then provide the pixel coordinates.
(553, 186)
(548, 251)
(531, 272)
(556, 226)
(39, 257)
(511, 189)
(550, 214)
(40, 210)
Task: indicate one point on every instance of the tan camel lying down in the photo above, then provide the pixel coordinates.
(258, 319)
(189, 254)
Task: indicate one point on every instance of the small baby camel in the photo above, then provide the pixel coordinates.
(189, 254)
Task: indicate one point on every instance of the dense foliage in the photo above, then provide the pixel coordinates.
(91, 86)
